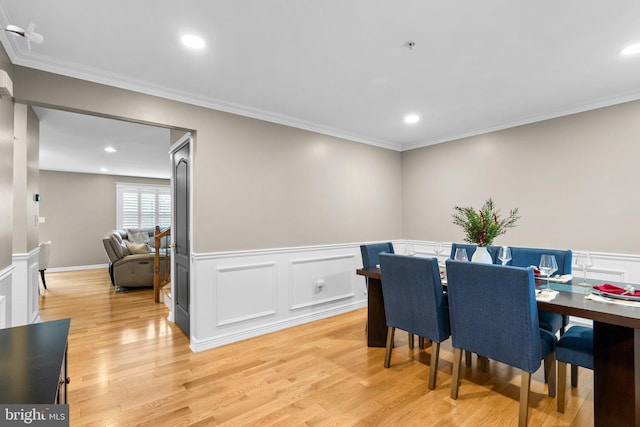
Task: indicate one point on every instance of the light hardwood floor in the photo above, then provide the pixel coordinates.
(130, 366)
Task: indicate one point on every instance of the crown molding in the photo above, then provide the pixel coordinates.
(110, 79)
(29, 59)
(575, 109)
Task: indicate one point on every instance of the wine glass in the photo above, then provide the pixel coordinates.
(461, 255)
(504, 254)
(437, 248)
(584, 261)
(548, 266)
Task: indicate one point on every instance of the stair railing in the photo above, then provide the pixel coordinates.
(158, 283)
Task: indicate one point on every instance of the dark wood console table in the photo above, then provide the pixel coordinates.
(33, 363)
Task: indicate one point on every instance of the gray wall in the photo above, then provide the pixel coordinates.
(79, 209)
(574, 179)
(260, 185)
(255, 184)
(25, 179)
(6, 169)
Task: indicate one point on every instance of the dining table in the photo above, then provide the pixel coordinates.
(616, 329)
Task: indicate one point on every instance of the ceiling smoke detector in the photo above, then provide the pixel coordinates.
(409, 44)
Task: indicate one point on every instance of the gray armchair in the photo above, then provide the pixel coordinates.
(130, 270)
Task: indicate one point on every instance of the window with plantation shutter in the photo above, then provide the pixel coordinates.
(140, 205)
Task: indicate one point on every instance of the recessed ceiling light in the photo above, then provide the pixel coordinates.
(110, 150)
(411, 119)
(631, 50)
(192, 41)
(104, 170)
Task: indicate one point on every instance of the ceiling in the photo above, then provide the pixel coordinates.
(73, 142)
(343, 67)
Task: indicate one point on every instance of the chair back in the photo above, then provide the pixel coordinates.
(494, 313)
(413, 296)
(43, 256)
(113, 246)
(371, 253)
(524, 257)
(471, 249)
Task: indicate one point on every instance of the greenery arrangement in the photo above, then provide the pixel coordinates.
(482, 226)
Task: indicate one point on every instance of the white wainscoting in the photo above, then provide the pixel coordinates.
(3, 312)
(238, 295)
(6, 277)
(325, 280)
(246, 292)
(606, 266)
(25, 284)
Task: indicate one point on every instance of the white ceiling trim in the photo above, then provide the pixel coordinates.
(557, 114)
(102, 77)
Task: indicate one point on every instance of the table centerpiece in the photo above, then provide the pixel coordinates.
(482, 226)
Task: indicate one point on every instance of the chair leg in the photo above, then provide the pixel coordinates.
(547, 370)
(467, 358)
(387, 356)
(525, 385)
(43, 281)
(483, 362)
(550, 361)
(411, 342)
(562, 385)
(423, 342)
(455, 376)
(574, 375)
(433, 366)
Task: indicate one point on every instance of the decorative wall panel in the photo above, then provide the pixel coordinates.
(246, 292)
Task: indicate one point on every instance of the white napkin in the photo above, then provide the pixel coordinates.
(546, 294)
(561, 279)
(565, 278)
(600, 298)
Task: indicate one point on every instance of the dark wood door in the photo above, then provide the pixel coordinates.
(181, 255)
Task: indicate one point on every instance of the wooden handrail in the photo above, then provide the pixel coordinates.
(157, 283)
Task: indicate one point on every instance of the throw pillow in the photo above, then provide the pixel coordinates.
(137, 248)
(138, 235)
(125, 249)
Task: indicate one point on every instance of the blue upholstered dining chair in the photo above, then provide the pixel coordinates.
(524, 257)
(575, 348)
(371, 253)
(414, 302)
(471, 249)
(493, 312)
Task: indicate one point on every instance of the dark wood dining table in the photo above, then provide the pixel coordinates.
(33, 363)
(616, 383)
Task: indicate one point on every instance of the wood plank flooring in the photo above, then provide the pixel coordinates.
(129, 366)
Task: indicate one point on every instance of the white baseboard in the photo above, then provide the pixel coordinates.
(77, 267)
(266, 328)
